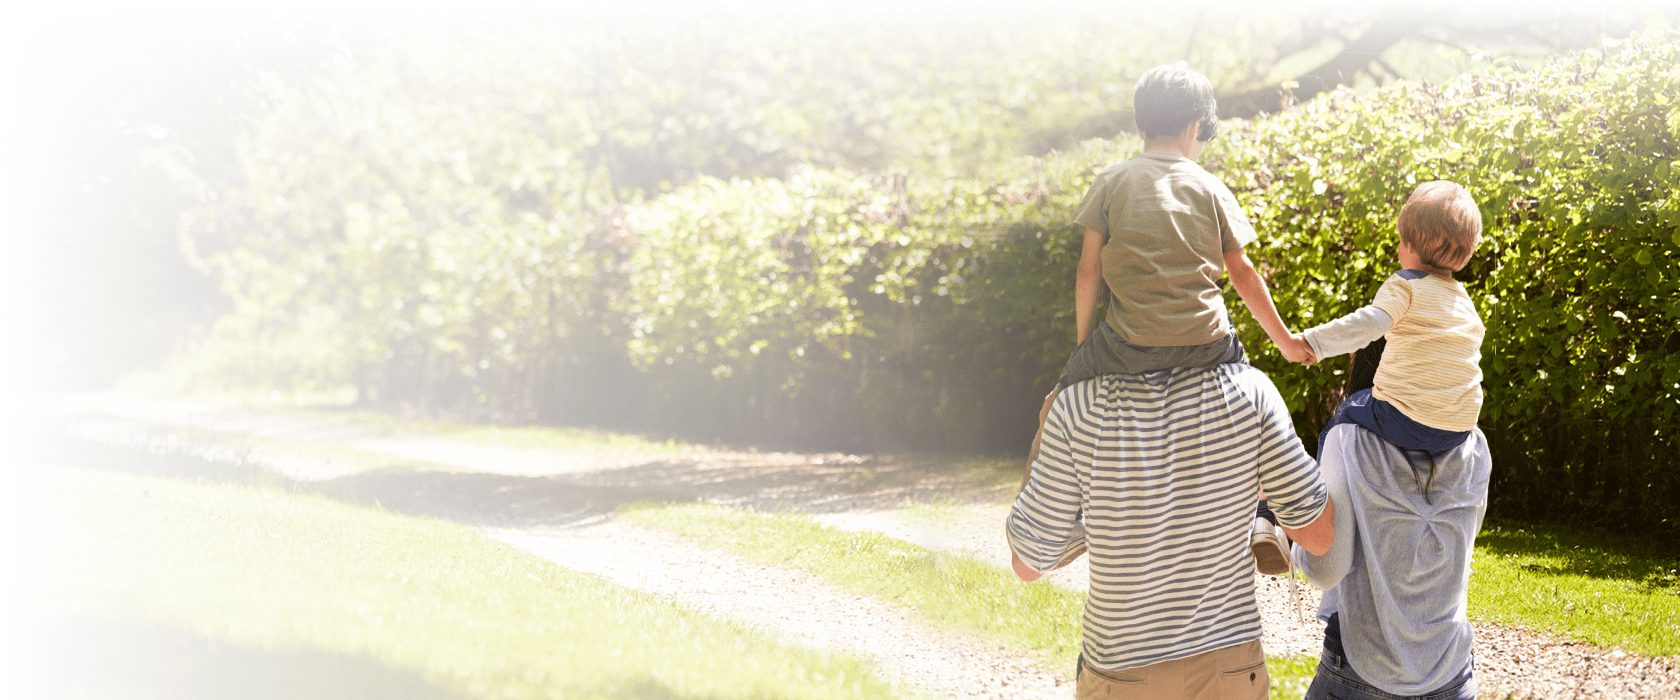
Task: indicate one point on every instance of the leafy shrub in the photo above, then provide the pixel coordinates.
(859, 310)
(868, 310)
(1574, 167)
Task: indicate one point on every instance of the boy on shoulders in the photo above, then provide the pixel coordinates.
(1159, 233)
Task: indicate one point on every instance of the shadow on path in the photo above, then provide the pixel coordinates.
(774, 481)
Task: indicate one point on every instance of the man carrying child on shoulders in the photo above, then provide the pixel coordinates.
(1161, 437)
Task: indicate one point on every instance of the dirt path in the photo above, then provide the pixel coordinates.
(794, 607)
(559, 506)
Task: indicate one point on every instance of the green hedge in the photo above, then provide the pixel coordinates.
(940, 328)
(1575, 169)
(855, 310)
(871, 310)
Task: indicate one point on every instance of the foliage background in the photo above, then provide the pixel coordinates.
(840, 234)
(1575, 169)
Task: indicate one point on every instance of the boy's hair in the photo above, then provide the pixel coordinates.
(1442, 224)
(1170, 97)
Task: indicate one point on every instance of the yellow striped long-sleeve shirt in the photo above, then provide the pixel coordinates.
(1431, 369)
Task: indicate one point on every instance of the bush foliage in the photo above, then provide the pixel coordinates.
(1575, 169)
(872, 309)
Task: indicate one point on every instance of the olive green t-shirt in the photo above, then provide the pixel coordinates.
(1168, 224)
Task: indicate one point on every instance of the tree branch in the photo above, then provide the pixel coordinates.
(1385, 31)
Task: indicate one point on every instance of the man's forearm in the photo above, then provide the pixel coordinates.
(1022, 571)
(1317, 536)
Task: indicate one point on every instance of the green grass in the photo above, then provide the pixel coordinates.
(221, 445)
(200, 454)
(333, 406)
(268, 574)
(561, 439)
(1290, 675)
(952, 590)
(1587, 587)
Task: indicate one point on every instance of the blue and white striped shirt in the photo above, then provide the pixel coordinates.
(1159, 473)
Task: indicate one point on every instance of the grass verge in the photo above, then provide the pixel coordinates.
(336, 407)
(952, 590)
(277, 455)
(535, 437)
(1586, 587)
(301, 577)
(1290, 676)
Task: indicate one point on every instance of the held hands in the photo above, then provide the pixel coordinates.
(1295, 348)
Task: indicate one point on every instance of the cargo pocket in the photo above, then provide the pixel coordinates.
(1246, 683)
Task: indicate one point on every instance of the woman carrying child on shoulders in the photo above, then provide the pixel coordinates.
(1404, 456)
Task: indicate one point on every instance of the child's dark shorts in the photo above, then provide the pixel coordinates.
(1105, 353)
(1390, 424)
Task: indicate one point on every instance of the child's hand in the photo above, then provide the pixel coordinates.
(1306, 347)
(1297, 349)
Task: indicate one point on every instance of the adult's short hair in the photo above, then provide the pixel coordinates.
(1170, 97)
(1442, 224)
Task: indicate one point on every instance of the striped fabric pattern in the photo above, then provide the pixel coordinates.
(1163, 470)
(1431, 369)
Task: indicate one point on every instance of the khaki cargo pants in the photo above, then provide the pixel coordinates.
(1233, 673)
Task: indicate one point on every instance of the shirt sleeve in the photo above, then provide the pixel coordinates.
(1327, 571)
(1394, 298)
(1045, 522)
(1295, 490)
(1348, 333)
(1235, 232)
(1093, 210)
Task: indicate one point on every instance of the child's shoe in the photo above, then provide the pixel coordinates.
(1270, 547)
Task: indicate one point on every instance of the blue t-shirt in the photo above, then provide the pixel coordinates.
(1399, 570)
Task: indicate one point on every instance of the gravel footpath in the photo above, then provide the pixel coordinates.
(794, 607)
(559, 506)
